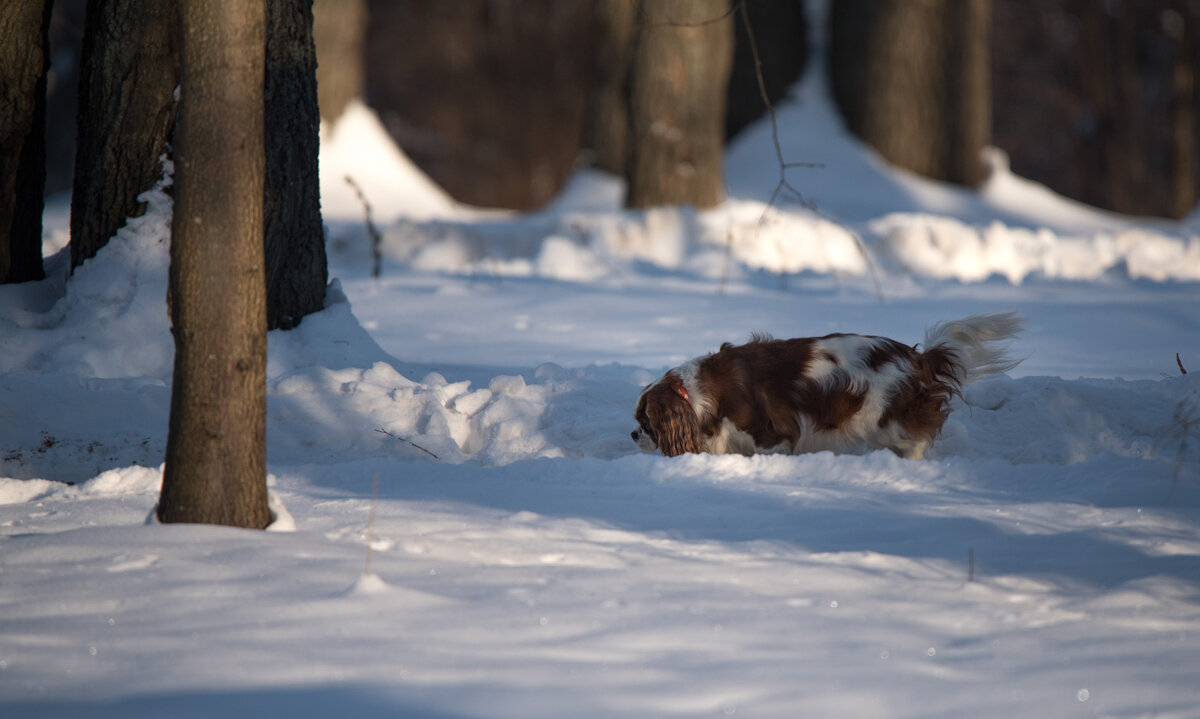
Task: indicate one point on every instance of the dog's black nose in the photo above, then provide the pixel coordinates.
(633, 435)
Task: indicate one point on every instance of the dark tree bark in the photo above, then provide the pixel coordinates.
(607, 130)
(680, 75)
(215, 469)
(296, 264)
(780, 30)
(1182, 108)
(912, 78)
(487, 97)
(24, 61)
(127, 81)
(1098, 100)
(339, 32)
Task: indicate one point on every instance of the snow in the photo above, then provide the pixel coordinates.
(524, 559)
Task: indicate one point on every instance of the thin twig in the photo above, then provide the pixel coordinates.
(783, 183)
(1180, 363)
(1184, 424)
(376, 238)
(407, 441)
(784, 166)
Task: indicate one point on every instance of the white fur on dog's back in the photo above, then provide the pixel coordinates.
(977, 341)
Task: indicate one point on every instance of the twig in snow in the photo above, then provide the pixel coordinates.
(410, 442)
(1184, 426)
(1180, 363)
(376, 238)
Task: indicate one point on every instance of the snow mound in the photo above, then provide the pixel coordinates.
(112, 321)
(359, 147)
(581, 246)
(944, 247)
(124, 481)
(377, 409)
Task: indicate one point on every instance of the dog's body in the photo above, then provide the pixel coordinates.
(845, 393)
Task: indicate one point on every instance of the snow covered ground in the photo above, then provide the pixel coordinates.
(526, 560)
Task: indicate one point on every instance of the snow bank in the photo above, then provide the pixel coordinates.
(1018, 229)
(576, 246)
(112, 321)
(943, 247)
(358, 146)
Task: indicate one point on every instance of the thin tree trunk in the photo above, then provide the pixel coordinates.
(677, 104)
(607, 131)
(129, 72)
(296, 264)
(216, 446)
(24, 61)
(970, 82)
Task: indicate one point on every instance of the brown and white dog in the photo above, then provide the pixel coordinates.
(841, 392)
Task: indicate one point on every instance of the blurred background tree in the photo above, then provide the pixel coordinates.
(339, 31)
(24, 66)
(682, 52)
(1097, 99)
(496, 99)
(911, 77)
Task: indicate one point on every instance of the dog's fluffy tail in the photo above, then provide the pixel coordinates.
(977, 343)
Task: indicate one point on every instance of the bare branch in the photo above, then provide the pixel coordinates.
(376, 238)
(784, 166)
(783, 184)
(406, 441)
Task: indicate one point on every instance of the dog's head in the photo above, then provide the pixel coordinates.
(666, 419)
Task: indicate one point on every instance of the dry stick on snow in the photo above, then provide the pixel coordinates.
(376, 238)
(1185, 424)
(407, 441)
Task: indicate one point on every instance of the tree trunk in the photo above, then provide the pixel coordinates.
(679, 79)
(127, 81)
(780, 30)
(607, 131)
(296, 266)
(970, 80)
(24, 61)
(1182, 109)
(215, 469)
(911, 78)
(339, 32)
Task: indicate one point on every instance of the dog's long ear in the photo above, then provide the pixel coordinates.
(674, 422)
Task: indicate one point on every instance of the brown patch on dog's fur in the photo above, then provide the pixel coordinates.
(753, 377)
(922, 402)
(662, 407)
